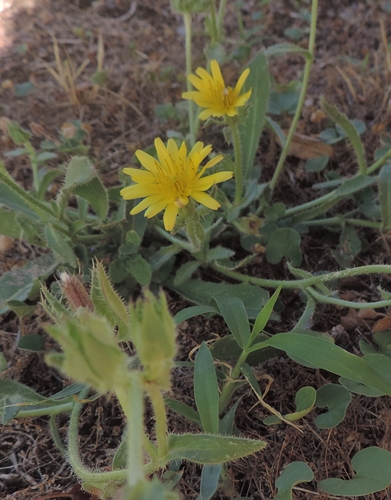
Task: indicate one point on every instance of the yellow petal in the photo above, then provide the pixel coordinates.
(242, 99)
(198, 83)
(150, 200)
(146, 160)
(242, 79)
(136, 191)
(214, 161)
(205, 199)
(164, 157)
(206, 182)
(216, 72)
(154, 209)
(169, 217)
(139, 175)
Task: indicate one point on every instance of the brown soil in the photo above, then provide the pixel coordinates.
(144, 56)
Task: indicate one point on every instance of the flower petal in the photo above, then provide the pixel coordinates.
(206, 182)
(147, 161)
(169, 217)
(147, 202)
(216, 73)
(205, 199)
(242, 79)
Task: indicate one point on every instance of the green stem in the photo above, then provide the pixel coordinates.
(314, 280)
(310, 204)
(214, 29)
(347, 303)
(191, 104)
(159, 408)
(339, 221)
(379, 162)
(93, 478)
(238, 159)
(51, 410)
(220, 19)
(131, 399)
(56, 435)
(177, 241)
(229, 387)
(303, 92)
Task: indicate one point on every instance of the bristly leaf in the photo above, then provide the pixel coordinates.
(60, 246)
(210, 448)
(108, 303)
(351, 132)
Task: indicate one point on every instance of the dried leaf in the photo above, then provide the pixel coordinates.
(306, 147)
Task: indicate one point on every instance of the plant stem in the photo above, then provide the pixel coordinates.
(93, 478)
(314, 280)
(220, 19)
(379, 162)
(192, 120)
(347, 303)
(51, 410)
(214, 29)
(229, 387)
(238, 172)
(339, 221)
(130, 397)
(303, 92)
(159, 408)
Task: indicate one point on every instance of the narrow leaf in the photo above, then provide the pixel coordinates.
(234, 313)
(206, 390)
(209, 448)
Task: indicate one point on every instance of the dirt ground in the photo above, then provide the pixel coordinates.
(144, 59)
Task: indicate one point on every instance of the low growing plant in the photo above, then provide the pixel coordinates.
(215, 213)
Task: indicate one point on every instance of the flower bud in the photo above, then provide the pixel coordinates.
(153, 334)
(90, 351)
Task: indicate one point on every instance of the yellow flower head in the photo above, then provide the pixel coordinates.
(169, 181)
(213, 95)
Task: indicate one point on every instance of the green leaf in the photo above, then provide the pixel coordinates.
(304, 401)
(284, 242)
(20, 283)
(209, 448)
(9, 225)
(57, 243)
(96, 194)
(17, 133)
(350, 131)
(32, 342)
(384, 187)
(191, 312)
(140, 269)
(323, 354)
(264, 314)
(227, 349)
(21, 309)
(284, 48)
(186, 271)
(234, 313)
(204, 293)
(46, 180)
(206, 390)
(316, 164)
(336, 398)
(120, 456)
(373, 473)
(79, 171)
(294, 473)
(351, 186)
(210, 476)
(45, 156)
(218, 253)
(358, 388)
(184, 410)
(250, 131)
(23, 89)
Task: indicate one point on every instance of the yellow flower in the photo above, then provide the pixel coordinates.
(214, 95)
(169, 181)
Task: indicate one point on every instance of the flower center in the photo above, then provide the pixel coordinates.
(227, 97)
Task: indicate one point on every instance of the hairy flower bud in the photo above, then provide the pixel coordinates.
(153, 334)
